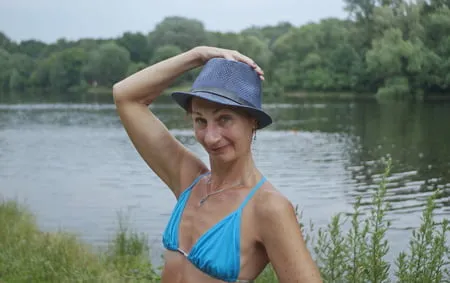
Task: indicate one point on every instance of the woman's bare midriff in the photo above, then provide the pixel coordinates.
(197, 220)
(178, 269)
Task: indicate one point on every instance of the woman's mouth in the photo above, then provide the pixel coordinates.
(217, 150)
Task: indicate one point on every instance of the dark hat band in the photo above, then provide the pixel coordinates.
(225, 94)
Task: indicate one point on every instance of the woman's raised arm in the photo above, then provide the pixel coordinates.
(165, 155)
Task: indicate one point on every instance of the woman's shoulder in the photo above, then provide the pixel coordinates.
(270, 204)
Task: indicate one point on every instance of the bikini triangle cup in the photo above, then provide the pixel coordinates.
(217, 251)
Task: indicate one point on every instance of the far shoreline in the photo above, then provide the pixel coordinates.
(104, 95)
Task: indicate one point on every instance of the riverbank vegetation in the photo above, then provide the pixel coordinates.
(352, 248)
(394, 49)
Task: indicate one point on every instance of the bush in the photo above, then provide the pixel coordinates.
(358, 255)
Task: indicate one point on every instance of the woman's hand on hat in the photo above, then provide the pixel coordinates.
(206, 53)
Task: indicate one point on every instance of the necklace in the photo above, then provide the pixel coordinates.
(203, 199)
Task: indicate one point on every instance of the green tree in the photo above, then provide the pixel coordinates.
(437, 39)
(137, 44)
(228, 40)
(431, 6)
(182, 32)
(387, 61)
(57, 46)
(360, 10)
(255, 48)
(165, 52)
(5, 70)
(316, 57)
(21, 68)
(135, 67)
(17, 81)
(107, 64)
(268, 34)
(32, 48)
(40, 76)
(7, 44)
(65, 69)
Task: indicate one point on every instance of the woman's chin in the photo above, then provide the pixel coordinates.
(224, 155)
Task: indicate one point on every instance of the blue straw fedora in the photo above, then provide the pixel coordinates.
(229, 83)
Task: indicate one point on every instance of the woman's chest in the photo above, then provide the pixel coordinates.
(222, 215)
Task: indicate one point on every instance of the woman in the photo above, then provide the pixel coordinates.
(229, 221)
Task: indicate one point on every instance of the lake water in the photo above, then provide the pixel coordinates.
(75, 168)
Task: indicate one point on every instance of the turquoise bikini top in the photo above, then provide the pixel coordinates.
(217, 251)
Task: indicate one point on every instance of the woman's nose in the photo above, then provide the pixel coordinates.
(212, 135)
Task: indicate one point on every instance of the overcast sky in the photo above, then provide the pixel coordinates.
(48, 20)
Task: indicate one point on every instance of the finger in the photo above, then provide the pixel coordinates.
(255, 66)
(244, 59)
(259, 70)
(250, 61)
(229, 57)
(236, 56)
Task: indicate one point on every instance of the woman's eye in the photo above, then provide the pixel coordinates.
(200, 122)
(224, 119)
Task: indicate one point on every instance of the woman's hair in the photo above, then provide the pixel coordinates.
(189, 106)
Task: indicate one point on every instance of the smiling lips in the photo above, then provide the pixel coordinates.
(217, 149)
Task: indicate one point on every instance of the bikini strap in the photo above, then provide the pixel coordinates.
(193, 184)
(252, 192)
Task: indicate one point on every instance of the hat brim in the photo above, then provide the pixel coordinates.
(182, 98)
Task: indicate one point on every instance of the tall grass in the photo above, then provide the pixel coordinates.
(29, 255)
(356, 254)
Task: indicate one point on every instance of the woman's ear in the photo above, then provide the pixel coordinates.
(254, 128)
(255, 124)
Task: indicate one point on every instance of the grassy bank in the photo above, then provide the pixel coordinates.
(354, 255)
(29, 255)
(104, 91)
(328, 95)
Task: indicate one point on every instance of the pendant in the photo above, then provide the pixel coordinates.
(203, 200)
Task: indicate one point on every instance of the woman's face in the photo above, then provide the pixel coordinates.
(225, 133)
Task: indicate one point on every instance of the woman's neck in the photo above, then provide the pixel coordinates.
(241, 170)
